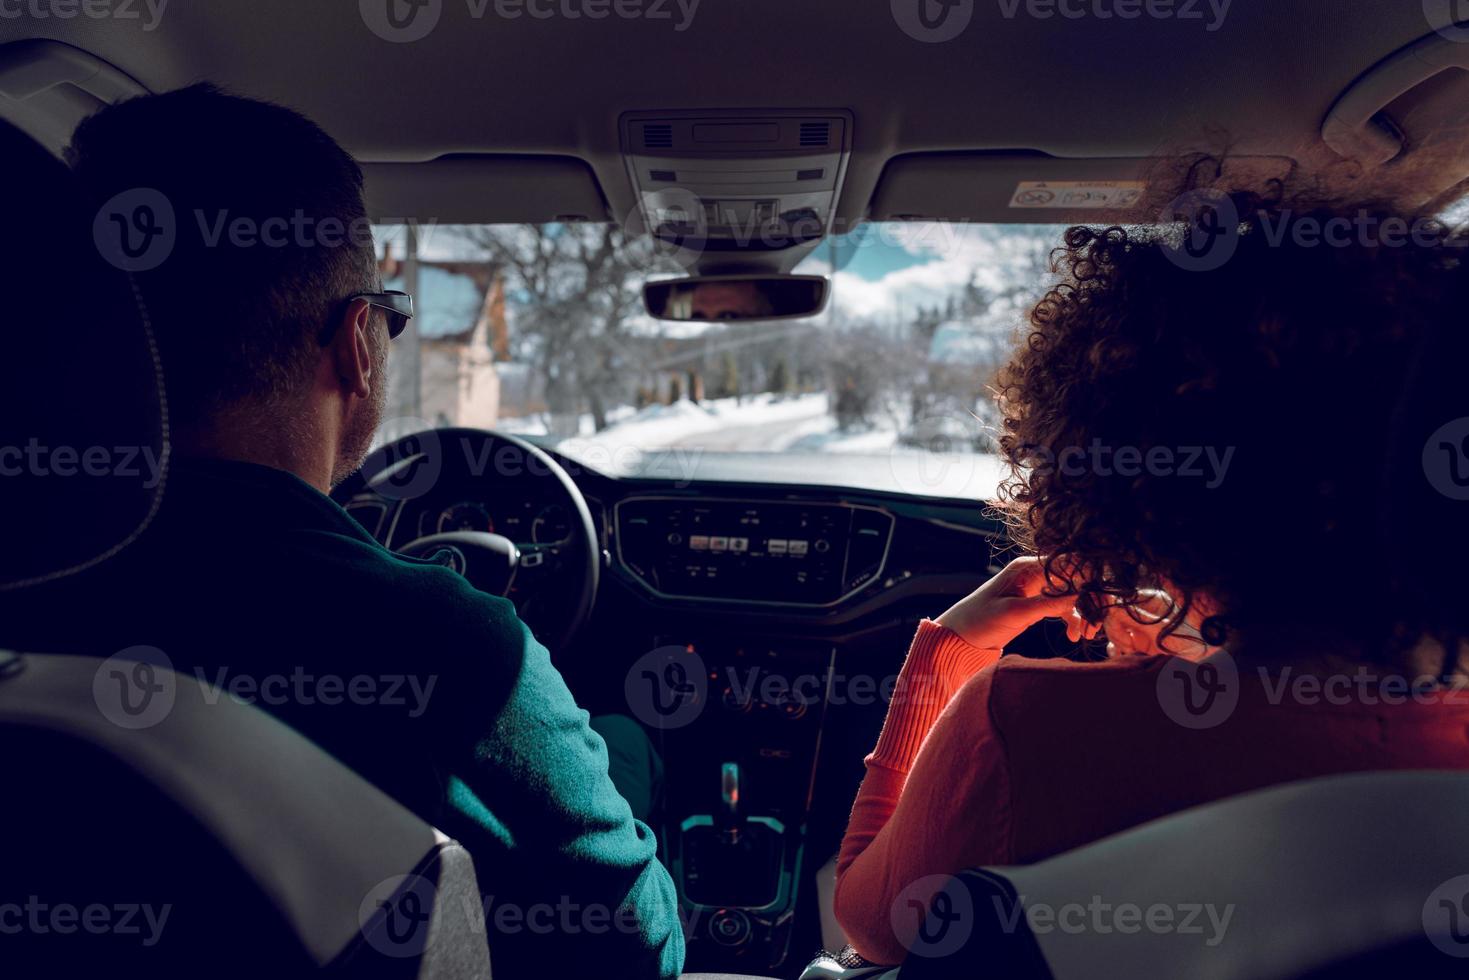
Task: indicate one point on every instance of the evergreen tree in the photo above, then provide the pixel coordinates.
(780, 377)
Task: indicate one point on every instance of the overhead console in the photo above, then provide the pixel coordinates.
(737, 181)
(794, 554)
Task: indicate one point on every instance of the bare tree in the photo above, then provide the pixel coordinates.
(576, 290)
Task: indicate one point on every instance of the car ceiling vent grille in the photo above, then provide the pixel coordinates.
(815, 133)
(816, 174)
(666, 176)
(658, 136)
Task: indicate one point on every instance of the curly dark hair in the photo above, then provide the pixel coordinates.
(1315, 370)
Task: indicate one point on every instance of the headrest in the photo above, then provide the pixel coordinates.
(82, 413)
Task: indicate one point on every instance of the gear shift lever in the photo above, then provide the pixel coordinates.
(732, 820)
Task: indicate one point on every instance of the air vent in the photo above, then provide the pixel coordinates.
(815, 133)
(666, 176)
(816, 174)
(658, 136)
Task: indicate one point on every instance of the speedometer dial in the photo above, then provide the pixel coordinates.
(551, 526)
(465, 517)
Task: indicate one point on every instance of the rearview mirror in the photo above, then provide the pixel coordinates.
(707, 299)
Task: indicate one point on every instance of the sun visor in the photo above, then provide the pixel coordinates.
(1032, 188)
(484, 188)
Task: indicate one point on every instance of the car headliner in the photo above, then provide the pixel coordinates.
(1069, 88)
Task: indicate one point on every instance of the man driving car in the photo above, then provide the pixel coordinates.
(244, 226)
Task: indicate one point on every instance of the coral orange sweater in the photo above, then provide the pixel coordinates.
(990, 762)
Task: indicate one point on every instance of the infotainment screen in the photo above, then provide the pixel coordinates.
(748, 551)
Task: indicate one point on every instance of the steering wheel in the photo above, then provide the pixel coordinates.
(554, 584)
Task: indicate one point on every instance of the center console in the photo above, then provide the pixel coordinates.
(740, 777)
(741, 761)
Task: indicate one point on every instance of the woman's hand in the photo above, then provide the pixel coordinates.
(1006, 606)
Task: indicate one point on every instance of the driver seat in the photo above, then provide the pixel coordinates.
(152, 826)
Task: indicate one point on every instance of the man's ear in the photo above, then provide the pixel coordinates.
(351, 350)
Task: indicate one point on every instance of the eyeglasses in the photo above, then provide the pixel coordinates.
(396, 304)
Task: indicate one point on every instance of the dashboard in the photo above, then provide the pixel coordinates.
(767, 614)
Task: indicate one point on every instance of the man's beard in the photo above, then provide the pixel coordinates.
(365, 418)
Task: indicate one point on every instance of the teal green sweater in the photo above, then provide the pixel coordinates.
(253, 581)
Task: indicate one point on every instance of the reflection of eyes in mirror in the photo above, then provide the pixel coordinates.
(726, 298)
(726, 301)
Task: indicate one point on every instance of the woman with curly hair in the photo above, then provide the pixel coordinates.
(1288, 605)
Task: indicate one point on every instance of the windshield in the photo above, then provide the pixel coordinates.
(540, 331)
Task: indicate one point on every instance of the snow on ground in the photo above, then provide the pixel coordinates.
(676, 438)
(756, 423)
